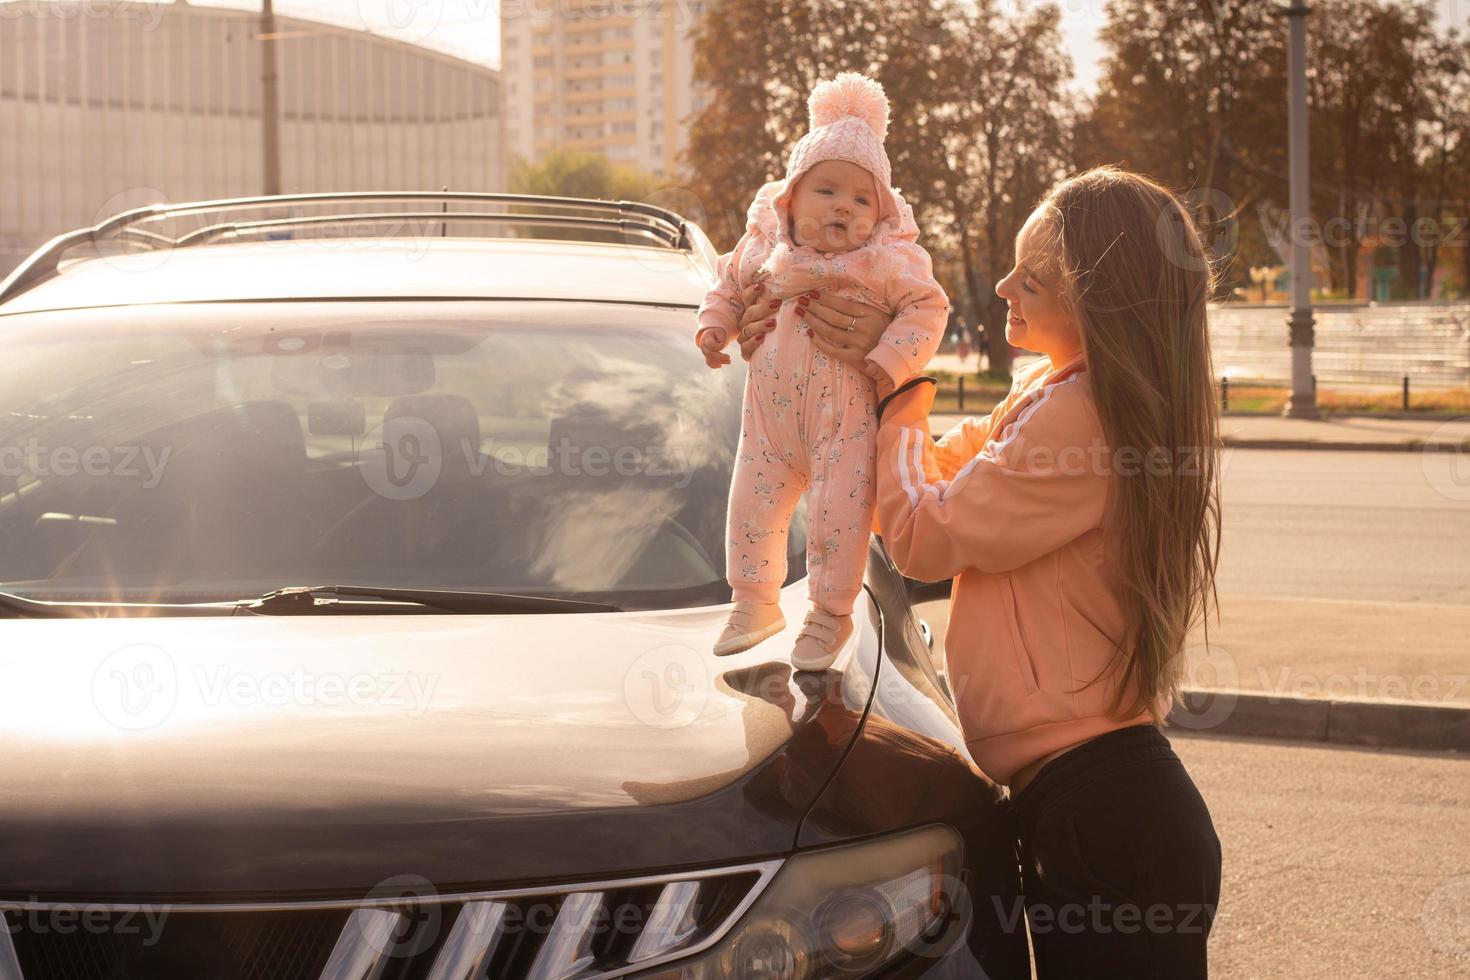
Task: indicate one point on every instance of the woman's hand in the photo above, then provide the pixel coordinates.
(845, 329)
(758, 319)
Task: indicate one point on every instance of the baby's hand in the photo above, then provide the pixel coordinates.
(712, 348)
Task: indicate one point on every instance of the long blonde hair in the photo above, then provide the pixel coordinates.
(1137, 274)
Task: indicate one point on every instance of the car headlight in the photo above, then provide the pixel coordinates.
(844, 911)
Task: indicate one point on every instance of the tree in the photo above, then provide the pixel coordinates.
(978, 128)
(997, 139)
(1194, 94)
(1436, 180)
(758, 60)
(574, 173)
(1457, 229)
(1366, 112)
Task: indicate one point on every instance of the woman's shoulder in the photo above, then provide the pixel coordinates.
(1073, 395)
(1068, 391)
(1054, 412)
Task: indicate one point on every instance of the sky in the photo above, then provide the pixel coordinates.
(1081, 20)
(471, 28)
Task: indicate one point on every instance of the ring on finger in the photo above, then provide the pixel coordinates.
(851, 323)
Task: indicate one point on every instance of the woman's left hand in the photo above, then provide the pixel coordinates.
(845, 329)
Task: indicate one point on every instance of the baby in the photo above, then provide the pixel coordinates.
(834, 224)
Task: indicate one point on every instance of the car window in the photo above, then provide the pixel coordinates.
(205, 451)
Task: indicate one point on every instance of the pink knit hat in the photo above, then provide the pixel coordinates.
(849, 119)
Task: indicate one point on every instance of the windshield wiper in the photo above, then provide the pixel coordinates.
(302, 600)
(20, 607)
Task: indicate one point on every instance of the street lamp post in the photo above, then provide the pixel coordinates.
(1303, 400)
(270, 102)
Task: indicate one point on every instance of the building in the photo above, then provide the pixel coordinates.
(162, 102)
(615, 78)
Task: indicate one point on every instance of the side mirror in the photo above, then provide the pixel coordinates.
(926, 591)
(917, 591)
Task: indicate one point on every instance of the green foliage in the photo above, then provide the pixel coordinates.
(1192, 94)
(574, 173)
(979, 129)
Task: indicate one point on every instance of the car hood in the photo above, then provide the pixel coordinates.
(270, 756)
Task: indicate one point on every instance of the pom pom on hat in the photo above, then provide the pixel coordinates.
(850, 94)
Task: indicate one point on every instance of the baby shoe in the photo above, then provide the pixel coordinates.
(822, 635)
(748, 624)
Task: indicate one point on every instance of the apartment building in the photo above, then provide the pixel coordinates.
(614, 77)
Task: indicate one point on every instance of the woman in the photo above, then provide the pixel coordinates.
(1080, 522)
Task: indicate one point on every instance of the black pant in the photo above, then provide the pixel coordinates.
(1119, 861)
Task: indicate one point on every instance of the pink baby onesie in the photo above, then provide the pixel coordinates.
(809, 419)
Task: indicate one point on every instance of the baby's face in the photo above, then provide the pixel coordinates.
(834, 206)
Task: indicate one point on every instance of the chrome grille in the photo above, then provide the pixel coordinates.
(57, 943)
(585, 931)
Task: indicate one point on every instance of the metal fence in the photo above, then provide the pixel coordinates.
(1357, 344)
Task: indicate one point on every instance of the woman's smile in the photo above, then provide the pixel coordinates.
(1015, 329)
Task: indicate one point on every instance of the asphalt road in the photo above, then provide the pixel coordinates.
(1345, 574)
(1338, 863)
(1342, 574)
(1390, 527)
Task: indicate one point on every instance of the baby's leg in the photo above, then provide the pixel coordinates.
(840, 511)
(764, 493)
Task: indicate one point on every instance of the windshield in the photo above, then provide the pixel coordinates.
(200, 452)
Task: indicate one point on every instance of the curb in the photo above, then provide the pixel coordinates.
(1379, 724)
(1398, 416)
(1368, 447)
(1339, 445)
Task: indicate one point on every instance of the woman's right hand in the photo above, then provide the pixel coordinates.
(758, 319)
(847, 330)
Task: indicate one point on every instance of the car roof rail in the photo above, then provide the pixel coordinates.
(244, 229)
(650, 223)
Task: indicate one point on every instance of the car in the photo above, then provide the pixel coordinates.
(360, 565)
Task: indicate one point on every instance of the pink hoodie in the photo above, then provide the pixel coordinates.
(1013, 507)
